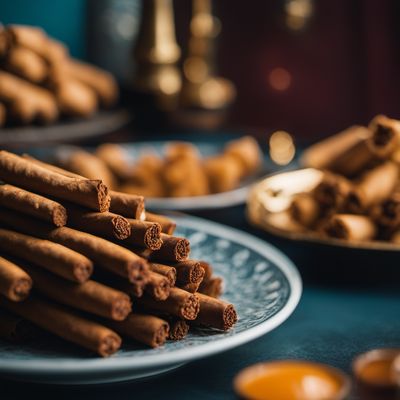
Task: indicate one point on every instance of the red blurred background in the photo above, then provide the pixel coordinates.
(341, 69)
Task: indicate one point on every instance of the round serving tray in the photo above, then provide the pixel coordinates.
(260, 281)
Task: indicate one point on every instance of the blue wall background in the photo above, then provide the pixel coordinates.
(62, 19)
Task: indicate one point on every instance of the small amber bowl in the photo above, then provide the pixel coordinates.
(375, 373)
(396, 368)
(292, 380)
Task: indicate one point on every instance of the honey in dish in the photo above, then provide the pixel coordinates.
(376, 367)
(291, 380)
(378, 372)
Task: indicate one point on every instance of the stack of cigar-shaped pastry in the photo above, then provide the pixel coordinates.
(90, 265)
(181, 172)
(40, 82)
(358, 197)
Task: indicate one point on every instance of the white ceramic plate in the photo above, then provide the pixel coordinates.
(260, 281)
(268, 208)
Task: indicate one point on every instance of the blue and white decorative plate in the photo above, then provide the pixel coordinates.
(260, 281)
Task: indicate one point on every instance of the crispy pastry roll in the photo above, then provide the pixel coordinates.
(247, 151)
(146, 329)
(128, 205)
(216, 313)
(375, 186)
(350, 227)
(105, 254)
(179, 304)
(23, 173)
(33, 204)
(99, 81)
(15, 283)
(165, 270)
(167, 225)
(88, 165)
(90, 296)
(66, 324)
(58, 259)
(305, 209)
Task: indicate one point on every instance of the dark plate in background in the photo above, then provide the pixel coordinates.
(72, 130)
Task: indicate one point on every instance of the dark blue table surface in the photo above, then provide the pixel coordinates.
(345, 309)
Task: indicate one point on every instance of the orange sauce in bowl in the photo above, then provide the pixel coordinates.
(378, 372)
(376, 367)
(291, 380)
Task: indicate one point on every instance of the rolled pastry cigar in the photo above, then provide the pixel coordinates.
(173, 249)
(387, 213)
(185, 177)
(179, 304)
(105, 254)
(190, 271)
(212, 287)
(305, 209)
(215, 313)
(223, 172)
(190, 287)
(74, 98)
(66, 324)
(167, 225)
(247, 151)
(332, 192)
(375, 186)
(26, 64)
(36, 40)
(128, 205)
(3, 115)
(15, 283)
(58, 259)
(116, 159)
(198, 183)
(5, 42)
(22, 111)
(89, 166)
(158, 286)
(177, 150)
(350, 227)
(165, 270)
(143, 234)
(147, 169)
(100, 81)
(23, 173)
(178, 328)
(33, 204)
(385, 136)
(334, 153)
(90, 296)
(33, 100)
(146, 329)
(106, 224)
(395, 238)
(208, 270)
(135, 289)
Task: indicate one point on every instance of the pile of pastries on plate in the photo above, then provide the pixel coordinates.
(180, 172)
(92, 266)
(357, 193)
(40, 82)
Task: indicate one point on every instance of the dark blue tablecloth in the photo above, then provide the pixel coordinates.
(348, 306)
